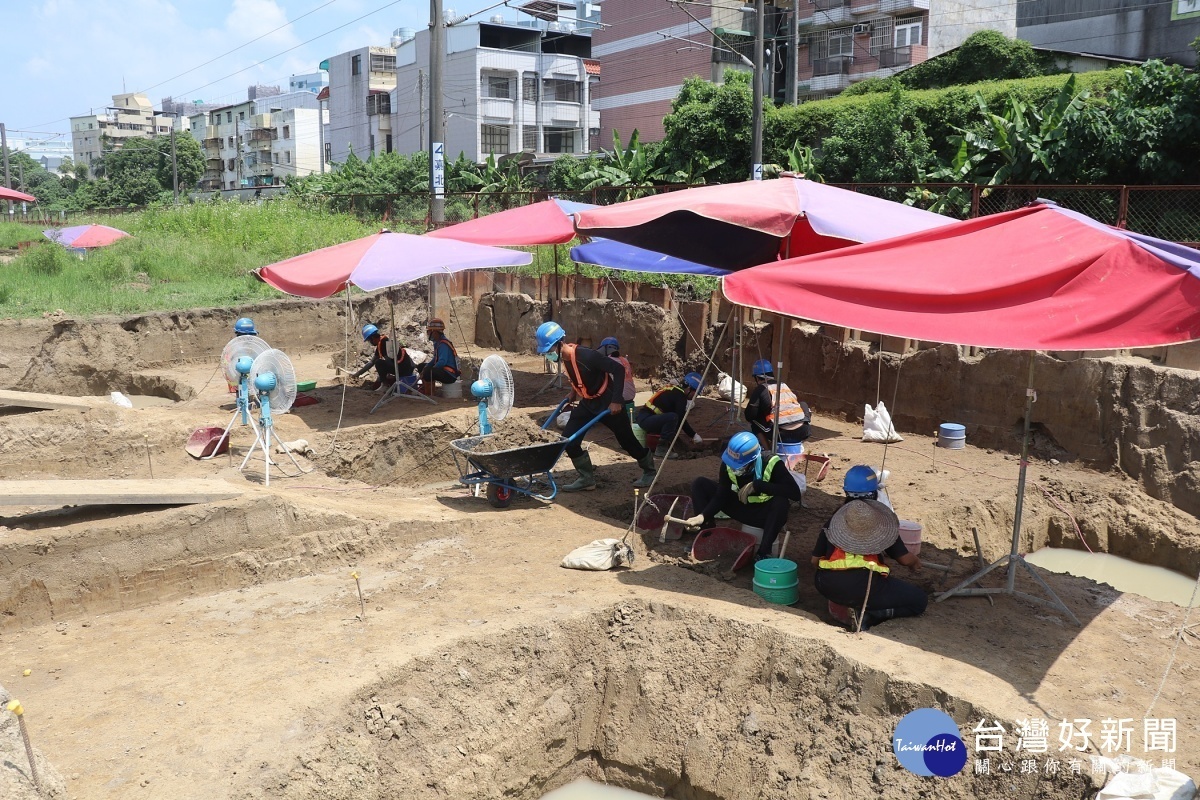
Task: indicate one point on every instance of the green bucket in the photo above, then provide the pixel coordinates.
(777, 580)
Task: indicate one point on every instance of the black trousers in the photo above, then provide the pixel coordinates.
(439, 374)
(385, 367)
(890, 597)
(617, 423)
(664, 425)
(771, 516)
(792, 436)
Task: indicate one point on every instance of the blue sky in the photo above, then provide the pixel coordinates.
(66, 57)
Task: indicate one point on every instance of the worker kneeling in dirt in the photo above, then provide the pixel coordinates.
(747, 490)
(596, 382)
(391, 366)
(849, 567)
(765, 397)
(664, 412)
(443, 366)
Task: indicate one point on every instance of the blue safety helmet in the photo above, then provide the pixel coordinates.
(610, 341)
(369, 331)
(549, 334)
(693, 381)
(761, 367)
(245, 327)
(860, 480)
(743, 449)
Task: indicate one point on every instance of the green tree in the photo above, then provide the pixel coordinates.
(188, 156)
(709, 130)
(31, 177)
(632, 168)
(887, 144)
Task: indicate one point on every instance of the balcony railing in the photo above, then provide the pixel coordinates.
(261, 135)
(902, 6)
(895, 57)
(827, 5)
(835, 65)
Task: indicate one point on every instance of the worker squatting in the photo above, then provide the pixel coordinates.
(753, 484)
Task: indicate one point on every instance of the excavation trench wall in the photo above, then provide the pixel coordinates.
(654, 698)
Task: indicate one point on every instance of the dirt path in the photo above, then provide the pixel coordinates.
(217, 652)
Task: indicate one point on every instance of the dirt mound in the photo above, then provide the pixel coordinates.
(408, 451)
(646, 696)
(517, 430)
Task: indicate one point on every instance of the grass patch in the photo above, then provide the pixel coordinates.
(13, 233)
(191, 256)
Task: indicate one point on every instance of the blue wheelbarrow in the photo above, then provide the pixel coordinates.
(519, 470)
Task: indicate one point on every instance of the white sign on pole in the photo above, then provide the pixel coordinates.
(758, 172)
(439, 169)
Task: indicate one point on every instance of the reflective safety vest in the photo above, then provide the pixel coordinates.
(629, 390)
(650, 404)
(575, 376)
(784, 401)
(766, 476)
(382, 351)
(452, 365)
(843, 560)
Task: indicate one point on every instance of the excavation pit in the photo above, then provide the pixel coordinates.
(646, 696)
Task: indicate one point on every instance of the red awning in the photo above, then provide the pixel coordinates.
(13, 194)
(1039, 278)
(544, 222)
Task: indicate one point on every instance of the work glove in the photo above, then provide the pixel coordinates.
(745, 492)
(697, 439)
(694, 522)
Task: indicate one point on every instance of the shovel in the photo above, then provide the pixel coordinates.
(203, 442)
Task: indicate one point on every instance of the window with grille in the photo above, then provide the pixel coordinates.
(287, 131)
(494, 139)
(328, 152)
(529, 87)
(882, 31)
(563, 90)
(837, 42)
(382, 63)
(287, 156)
(908, 31)
(230, 165)
(379, 104)
(496, 86)
(560, 140)
(529, 139)
(356, 65)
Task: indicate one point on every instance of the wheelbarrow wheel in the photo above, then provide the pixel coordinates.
(499, 496)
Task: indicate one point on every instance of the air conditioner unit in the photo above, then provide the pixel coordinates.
(862, 27)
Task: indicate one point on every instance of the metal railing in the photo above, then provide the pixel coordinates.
(895, 56)
(834, 65)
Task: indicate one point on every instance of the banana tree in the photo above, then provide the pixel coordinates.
(631, 169)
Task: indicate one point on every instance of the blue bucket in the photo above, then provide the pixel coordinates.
(789, 449)
(952, 436)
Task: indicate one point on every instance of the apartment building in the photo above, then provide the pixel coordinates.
(312, 82)
(646, 52)
(359, 102)
(259, 142)
(1133, 29)
(131, 116)
(510, 86)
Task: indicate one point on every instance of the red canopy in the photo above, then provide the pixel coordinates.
(738, 225)
(545, 222)
(1039, 278)
(13, 194)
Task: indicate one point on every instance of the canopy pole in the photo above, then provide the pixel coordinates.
(557, 288)
(775, 401)
(1013, 558)
(395, 349)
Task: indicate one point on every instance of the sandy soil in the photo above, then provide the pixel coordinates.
(220, 650)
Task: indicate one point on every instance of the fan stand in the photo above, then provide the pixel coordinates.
(399, 389)
(262, 438)
(243, 408)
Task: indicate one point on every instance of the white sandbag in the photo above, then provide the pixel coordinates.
(121, 400)
(563, 419)
(877, 425)
(729, 389)
(1130, 778)
(601, 554)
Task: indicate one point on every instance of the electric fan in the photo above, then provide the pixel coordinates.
(240, 368)
(238, 346)
(274, 381)
(494, 388)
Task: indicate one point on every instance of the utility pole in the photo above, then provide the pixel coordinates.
(4, 147)
(756, 150)
(321, 109)
(174, 165)
(437, 130)
(421, 107)
(793, 64)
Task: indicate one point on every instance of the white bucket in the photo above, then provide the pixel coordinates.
(952, 436)
(452, 391)
(910, 534)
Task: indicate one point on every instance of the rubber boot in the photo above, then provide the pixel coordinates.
(587, 475)
(662, 451)
(646, 462)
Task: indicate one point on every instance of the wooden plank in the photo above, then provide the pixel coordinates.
(49, 401)
(114, 492)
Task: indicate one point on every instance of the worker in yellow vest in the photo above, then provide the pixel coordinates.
(747, 490)
(664, 413)
(770, 397)
(850, 572)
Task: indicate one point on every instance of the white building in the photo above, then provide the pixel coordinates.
(131, 116)
(509, 87)
(359, 103)
(312, 82)
(259, 142)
